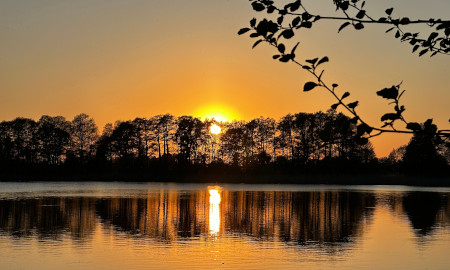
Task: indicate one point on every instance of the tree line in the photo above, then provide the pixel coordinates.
(295, 142)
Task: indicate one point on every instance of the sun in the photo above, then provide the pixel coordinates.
(215, 129)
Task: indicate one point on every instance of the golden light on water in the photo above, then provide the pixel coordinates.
(214, 211)
(215, 129)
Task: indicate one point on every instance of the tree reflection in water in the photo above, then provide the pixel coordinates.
(298, 218)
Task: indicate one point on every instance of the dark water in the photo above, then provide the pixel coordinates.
(160, 226)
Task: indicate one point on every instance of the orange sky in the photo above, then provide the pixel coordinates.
(117, 60)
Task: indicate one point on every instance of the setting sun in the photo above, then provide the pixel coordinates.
(215, 129)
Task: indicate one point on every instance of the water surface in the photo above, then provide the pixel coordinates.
(173, 226)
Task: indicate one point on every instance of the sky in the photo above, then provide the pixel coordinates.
(117, 60)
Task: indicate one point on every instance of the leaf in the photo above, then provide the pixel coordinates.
(360, 130)
(281, 48)
(296, 21)
(243, 31)
(276, 56)
(433, 36)
(334, 85)
(369, 129)
(401, 94)
(312, 61)
(258, 6)
(364, 128)
(280, 20)
(389, 30)
(306, 24)
(344, 5)
(389, 11)
(422, 52)
(430, 129)
(296, 5)
(441, 26)
(323, 60)
(361, 140)
(320, 76)
(404, 20)
(389, 93)
(334, 106)
(254, 35)
(287, 34)
(361, 14)
(359, 26)
(285, 58)
(306, 16)
(256, 43)
(265, 26)
(353, 105)
(414, 126)
(295, 47)
(346, 94)
(309, 86)
(354, 120)
(343, 26)
(390, 116)
(253, 22)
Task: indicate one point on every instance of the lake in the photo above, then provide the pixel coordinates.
(171, 226)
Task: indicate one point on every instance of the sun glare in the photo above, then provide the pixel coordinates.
(217, 117)
(219, 113)
(215, 129)
(214, 211)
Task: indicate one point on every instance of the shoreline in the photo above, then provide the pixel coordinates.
(298, 179)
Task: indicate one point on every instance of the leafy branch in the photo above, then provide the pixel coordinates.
(355, 14)
(274, 32)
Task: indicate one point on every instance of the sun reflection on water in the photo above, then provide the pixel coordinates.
(214, 211)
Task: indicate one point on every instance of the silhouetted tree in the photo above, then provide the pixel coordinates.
(52, 139)
(124, 141)
(233, 141)
(104, 146)
(421, 153)
(188, 136)
(144, 136)
(20, 139)
(164, 126)
(265, 133)
(84, 136)
(396, 155)
(285, 138)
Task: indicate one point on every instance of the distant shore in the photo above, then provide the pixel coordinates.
(237, 178)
